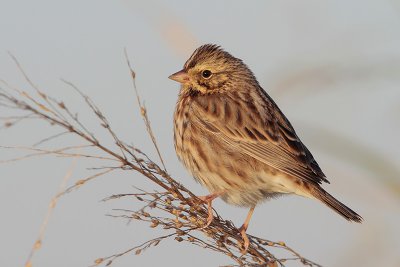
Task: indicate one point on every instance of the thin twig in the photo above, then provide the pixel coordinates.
(38, 243)
(143, 111)
(47, 139)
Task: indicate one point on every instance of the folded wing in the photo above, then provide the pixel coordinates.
(263, 132)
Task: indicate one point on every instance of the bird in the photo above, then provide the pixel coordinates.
(234, 140)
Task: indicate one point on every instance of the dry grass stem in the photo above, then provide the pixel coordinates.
(38, 243)
(143, 111)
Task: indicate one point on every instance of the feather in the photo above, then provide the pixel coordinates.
(265, 136)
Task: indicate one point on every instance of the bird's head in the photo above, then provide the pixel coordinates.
(210, 69)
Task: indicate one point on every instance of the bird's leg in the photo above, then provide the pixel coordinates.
(208, 199)
(243, 228)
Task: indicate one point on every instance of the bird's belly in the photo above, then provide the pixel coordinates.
(246, 191)
(245, 180)
(219, 166)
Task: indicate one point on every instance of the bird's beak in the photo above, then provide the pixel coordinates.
(180, 76)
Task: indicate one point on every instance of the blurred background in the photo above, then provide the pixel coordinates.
(333, 67)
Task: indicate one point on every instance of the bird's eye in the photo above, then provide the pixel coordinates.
(206, 74)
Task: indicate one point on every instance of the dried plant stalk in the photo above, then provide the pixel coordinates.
(169, 206)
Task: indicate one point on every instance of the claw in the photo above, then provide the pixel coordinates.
(246, 241)
(210, 217)
(242, 231)
(208, 200)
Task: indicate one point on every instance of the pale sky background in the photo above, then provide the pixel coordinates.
(332, 66)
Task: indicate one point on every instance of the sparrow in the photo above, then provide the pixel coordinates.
(235, 141)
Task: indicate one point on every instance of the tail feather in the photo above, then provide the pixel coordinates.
(336, 205)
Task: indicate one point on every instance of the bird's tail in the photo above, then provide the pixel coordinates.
(336, 205)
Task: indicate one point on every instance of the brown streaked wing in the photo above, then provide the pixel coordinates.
(265, 135)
